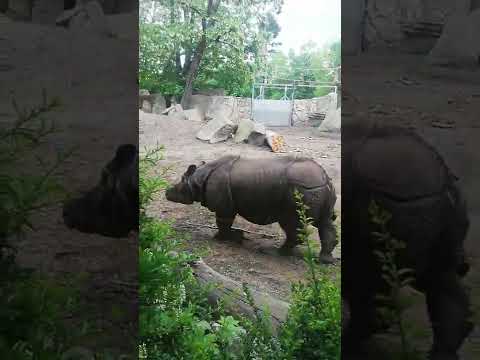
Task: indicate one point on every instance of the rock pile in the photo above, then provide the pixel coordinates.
(151, 103)
(247, 131)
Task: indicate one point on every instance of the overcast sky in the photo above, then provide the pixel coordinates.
(305, 20)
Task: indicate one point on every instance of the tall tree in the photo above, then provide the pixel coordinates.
(203, 38)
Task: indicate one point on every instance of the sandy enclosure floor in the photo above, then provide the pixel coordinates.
(243, 262)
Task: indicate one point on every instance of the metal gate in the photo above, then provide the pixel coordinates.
(280, 112)
(272, 112)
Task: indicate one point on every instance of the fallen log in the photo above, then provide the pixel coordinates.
(236, 300)
(237, 304)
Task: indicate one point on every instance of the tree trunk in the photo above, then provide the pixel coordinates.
(193, 71)
(199, 51)
(237, 303)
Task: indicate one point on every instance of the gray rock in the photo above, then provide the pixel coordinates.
(458, 44)
(175, 111)
(143, 92)
(167, 110)
(258, 135)
(178, 108)
(193, 115)
(146, 106)
(245, 128)
(158, 102)
(90, 17)
(218, 109)
(332, 122)
(216, 130)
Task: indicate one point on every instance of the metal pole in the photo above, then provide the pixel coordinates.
(251, 102)
(293, 103)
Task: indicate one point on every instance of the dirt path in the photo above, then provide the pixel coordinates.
(243, 262)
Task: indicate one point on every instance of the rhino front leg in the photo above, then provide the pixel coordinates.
(449, 312)
(328, 239)
(225, 231)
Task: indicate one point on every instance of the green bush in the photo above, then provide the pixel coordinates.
(31, 326)
(313, 326)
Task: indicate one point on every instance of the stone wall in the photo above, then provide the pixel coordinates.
(240, 108)
(308, 112)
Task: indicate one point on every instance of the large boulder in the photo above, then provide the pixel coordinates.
(216, 130)
(146, 106)
(193, 115)
(176, 110)
(258, 135)
(245, 128)
(458, 44)
(332, 121)
(158, 103)
(142, 95)
(87, 16)
(218, 109)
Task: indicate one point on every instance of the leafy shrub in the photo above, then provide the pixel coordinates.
(31, 326)
(313, 326)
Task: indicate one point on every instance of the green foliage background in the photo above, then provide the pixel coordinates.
(240, 46)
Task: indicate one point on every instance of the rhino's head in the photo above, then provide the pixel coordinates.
(184, 192)
(111, 207)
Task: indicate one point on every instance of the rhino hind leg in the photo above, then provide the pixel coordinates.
(449, 312)
(225, 231)
(328, 240)
(291, 232)
(360, 327)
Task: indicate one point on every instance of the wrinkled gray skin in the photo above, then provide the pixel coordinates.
(262, 192)
(407, 178)
(111, 207)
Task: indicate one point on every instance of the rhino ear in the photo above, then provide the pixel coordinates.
(191, 169)
(202, 163)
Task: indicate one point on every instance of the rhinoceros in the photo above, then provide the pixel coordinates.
(406, 177)
(262, 192)
(111, 207)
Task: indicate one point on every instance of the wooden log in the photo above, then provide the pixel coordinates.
(275, 141)
(236, 301)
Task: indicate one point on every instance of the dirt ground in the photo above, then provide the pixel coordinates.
(245, 262)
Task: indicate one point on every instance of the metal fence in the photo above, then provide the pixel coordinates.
(277, 112)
